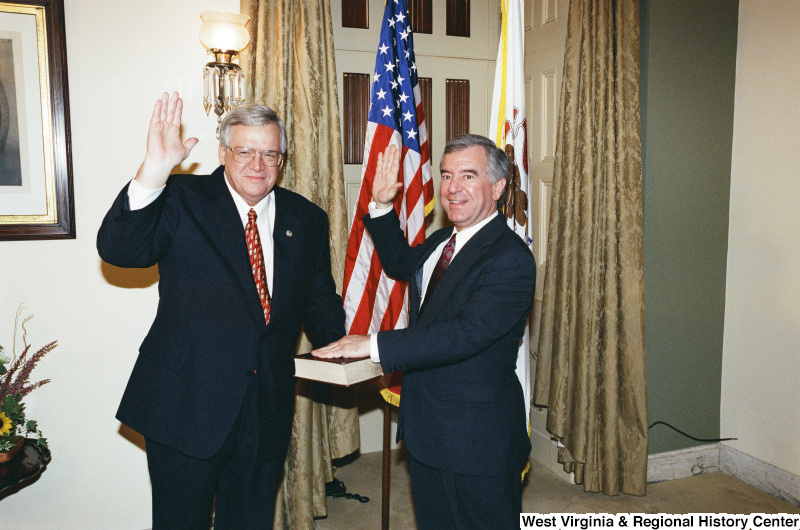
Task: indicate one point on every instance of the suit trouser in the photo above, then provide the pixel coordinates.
(184, 488)
(444, 500)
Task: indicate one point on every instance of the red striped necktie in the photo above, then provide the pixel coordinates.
(256, 254)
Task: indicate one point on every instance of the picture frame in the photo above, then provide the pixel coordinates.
(36, 191)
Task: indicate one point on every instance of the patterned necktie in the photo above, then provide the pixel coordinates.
(438, 271)
(256, 254)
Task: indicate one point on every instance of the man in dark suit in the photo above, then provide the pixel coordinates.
(212, 390)
(462, 411)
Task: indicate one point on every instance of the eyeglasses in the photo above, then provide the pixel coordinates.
(244, 155)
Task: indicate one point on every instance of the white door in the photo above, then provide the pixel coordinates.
(545, 33)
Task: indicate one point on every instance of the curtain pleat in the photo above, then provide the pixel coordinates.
(289, 66)
(590, 369)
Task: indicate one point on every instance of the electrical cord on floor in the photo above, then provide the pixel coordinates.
(336, 489)
(708, 440)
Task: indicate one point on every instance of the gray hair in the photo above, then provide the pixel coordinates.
(497, 164)
(254, 115)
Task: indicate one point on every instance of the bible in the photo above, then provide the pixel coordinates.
(344, 372)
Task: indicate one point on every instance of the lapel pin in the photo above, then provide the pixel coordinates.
(288, 233)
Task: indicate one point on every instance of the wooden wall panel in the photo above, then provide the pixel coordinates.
(421, 14)
(458, 18)
(426, 93)
(356, 110)
(355, 14)
(457, 107)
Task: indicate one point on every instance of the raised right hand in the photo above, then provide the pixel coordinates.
(164, 147)
(385, 186)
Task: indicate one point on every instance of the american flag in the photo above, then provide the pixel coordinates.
(373, 301)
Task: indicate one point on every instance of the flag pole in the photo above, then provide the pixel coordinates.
(386, 476)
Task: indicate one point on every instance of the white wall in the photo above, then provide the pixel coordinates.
(121, 57)
(761, 350)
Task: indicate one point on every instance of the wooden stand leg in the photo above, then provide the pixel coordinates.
(387, 457)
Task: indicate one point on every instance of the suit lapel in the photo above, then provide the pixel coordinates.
(464, 260)
(286, 235)
(226, 233)
(432, 242)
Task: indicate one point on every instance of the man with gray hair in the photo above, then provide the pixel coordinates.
(243, 265)
(471, 286)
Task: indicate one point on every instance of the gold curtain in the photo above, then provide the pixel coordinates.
(590, 370)
(289, 66)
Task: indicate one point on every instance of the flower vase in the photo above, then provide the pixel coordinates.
(6, 457)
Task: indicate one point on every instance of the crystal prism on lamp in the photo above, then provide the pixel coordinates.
(223, 87)
(224, 36)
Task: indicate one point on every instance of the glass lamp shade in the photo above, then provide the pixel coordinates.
(224, 31)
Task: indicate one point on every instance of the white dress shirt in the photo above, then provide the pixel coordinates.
(139, 197)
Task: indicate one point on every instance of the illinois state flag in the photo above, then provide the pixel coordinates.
(508, 127)
(373, 301)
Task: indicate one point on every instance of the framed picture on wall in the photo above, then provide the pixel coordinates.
(36, 196)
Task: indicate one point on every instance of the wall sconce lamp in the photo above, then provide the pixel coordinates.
(224, 37)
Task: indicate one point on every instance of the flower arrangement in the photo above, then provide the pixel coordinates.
(15, 372)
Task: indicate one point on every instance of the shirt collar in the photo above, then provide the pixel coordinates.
(243, 208)
(462, 236)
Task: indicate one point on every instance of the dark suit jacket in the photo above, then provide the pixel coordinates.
(209, 334)
(461, 407)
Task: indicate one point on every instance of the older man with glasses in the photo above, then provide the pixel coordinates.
(243, 265)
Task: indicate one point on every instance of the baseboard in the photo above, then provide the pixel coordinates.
(761, 475)
(683, 463)
(720, 457)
